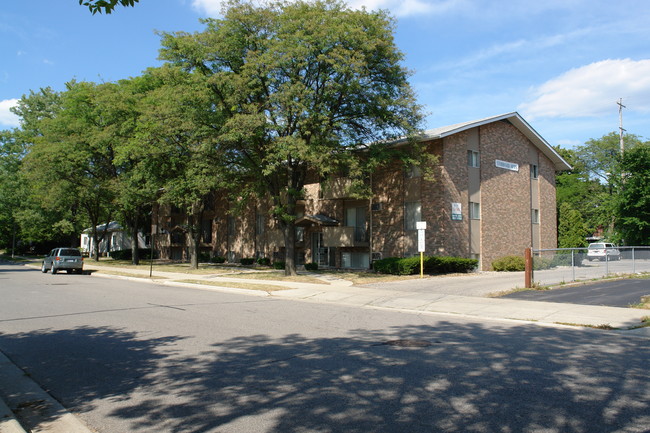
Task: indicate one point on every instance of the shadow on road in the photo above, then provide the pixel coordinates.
(451, 377)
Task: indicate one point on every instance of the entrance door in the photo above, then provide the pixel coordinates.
(324, 256)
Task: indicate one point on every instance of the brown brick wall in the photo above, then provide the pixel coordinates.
(547, 205)
(505, 195)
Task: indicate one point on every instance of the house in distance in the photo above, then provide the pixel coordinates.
(493, 194)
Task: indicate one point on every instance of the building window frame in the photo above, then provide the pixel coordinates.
(534, 171)
(535, 216)
(473, 159)
(413, 171)
(474, 210)
(412, 214)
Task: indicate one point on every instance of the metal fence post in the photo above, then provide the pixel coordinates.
(633, 262)
(573, 265)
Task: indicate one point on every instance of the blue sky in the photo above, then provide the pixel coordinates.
(562, 64)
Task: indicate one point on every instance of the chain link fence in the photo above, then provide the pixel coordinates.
(563, 265)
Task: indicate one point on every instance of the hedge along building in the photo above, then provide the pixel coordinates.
(492, 195)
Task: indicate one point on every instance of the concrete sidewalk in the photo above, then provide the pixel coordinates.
(464, 295)
(460, 295)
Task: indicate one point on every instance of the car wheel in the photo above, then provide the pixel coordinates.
(43, 268)
(54, 270)
(69, 271)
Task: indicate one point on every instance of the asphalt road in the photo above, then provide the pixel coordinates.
(135, 357)
(617, 293)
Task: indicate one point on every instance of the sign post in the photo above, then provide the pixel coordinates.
(421, 226)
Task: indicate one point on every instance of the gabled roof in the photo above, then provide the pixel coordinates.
(318, 219)
(113, 226)
(517, 121)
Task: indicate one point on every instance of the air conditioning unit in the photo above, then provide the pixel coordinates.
(376, 256)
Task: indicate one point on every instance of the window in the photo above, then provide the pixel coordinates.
(413, 171)
(206, 231)
(474, 210)
(534, 171)
(473, 158)
(356, 217)
(413, 214)
(535, 216)
(260, 224)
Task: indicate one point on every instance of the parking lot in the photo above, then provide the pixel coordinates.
(616, 293)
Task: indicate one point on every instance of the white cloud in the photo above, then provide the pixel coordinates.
(400, 8)
(8, 118)
(209, 7)
(592, 90)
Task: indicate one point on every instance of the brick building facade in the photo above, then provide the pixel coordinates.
(493, 194)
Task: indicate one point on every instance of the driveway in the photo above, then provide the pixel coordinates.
(619, 293)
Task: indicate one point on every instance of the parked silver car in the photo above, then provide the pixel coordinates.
(68, 259)
(602, 251)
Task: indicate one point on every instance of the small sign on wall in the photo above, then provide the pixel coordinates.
(506, 165)
(456, 212)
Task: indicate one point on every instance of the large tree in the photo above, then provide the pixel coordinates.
(71, 162)
(578, 191)
(309, 88)
(633, 198)
(174, 150)
(42, 215)
(12, 189)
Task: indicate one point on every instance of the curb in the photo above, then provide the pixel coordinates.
(38, 410)
(8, 422)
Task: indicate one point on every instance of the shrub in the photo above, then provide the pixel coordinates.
(278, 265)
(204, 257)
(509, 264)
(143, 253)
(218, 259)
(247, 261)
(264, 261)
(311, 266)
(432, 265)
(449, 265)
(386, 266)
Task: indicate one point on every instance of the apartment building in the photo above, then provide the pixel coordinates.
(492, 194)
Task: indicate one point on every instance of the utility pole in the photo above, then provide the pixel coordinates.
(620, 123)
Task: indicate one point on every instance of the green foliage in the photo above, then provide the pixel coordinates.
(218, 259)
(572, 229)
(311, 266)
(264, 261)
(302, 85)
(509, 264)
(278, 265)
(144, 254)
(247, 261)
(449, 265)
(432, 265)
(105, 6)
(633, 201)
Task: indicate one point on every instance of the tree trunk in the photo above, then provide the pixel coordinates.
(290, 248)
(135, 250)
(195, 234)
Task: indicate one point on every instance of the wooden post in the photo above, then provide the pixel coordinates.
(528, 257)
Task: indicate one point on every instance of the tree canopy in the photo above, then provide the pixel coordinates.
(305, 86)
(105, 6)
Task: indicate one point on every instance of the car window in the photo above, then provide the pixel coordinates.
(70, 252)
(597, 246)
